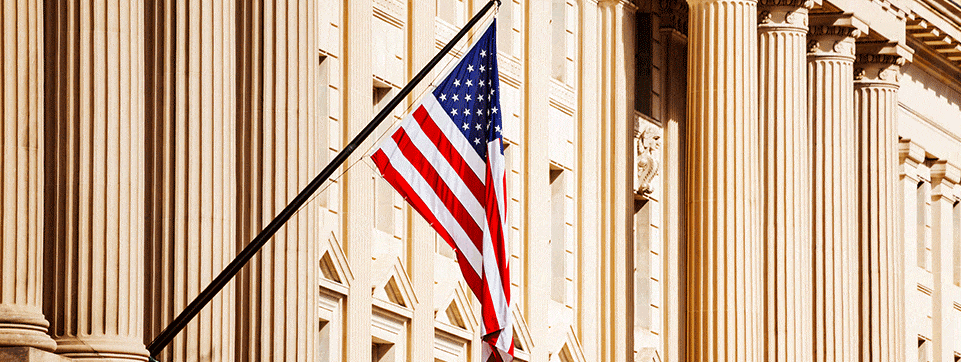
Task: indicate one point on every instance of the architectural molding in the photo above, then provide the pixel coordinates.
(523, 343)
(335, 273)
(455, 314)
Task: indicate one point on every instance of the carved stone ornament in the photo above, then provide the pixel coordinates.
(764, 17)
(859, 73)
(648, 166)
(796, 18)
(674, 14)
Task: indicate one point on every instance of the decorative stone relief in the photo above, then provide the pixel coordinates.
(878, 67)
(674, 15)
(648, 166)
(832, 39)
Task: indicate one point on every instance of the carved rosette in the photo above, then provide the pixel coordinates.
(647, 145)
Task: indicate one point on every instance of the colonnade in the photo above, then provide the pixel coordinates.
(118, 169)
(791, 135)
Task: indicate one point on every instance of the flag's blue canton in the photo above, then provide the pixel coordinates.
(471, 94)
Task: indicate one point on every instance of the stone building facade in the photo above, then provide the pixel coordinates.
(710, 180)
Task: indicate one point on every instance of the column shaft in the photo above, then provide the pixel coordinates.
(190, 228)
(358, 202)
(94, 191)
(21, 166)
(830, 107)
(875, 109)
(421, 239)
(785, 166)
(617, 177)
(276, 116)
(724, 319)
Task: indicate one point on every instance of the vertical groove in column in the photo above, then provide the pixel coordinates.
(21, 194)
(725, 308)
(875, 105)
(94, 188)
(190, 170)
(830, 106)
(785, 165)
(278, 293)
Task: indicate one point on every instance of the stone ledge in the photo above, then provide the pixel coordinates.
(29, 354)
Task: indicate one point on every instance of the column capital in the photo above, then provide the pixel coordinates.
(674, 15)
(834, 35)
(878, 64)
(781, 15)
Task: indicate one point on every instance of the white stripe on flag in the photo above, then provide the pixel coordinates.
(423, 190)
(450, 176)
(457, 139)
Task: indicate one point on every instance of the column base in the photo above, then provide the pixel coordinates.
(97, 348)
(24, 328)
(29, 354)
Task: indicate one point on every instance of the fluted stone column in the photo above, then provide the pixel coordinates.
(358, 202)
(94, 208)
(190, 172)
(722, 210)
(786, 184)
(21, 169)
(616, 18)
(830, 107)
(276, 116)
(875, 113)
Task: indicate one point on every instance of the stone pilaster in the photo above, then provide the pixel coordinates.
(830, 108)
(588, 204)
(785, 164)
(358, 202)
(944, 328)
(94, 155)
(875, 113)
(722, 209)
(276, 116)
(673, 178)
(190, 193)
(21, 166)
(616, 18)
(421, 239)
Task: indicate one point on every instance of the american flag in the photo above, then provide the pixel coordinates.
(447, 159)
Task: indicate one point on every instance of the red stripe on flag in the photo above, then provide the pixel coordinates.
(450, 200)
(497, 235)
(398, 182)
(456, 160)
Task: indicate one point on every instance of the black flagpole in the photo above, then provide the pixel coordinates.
(164, 338)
